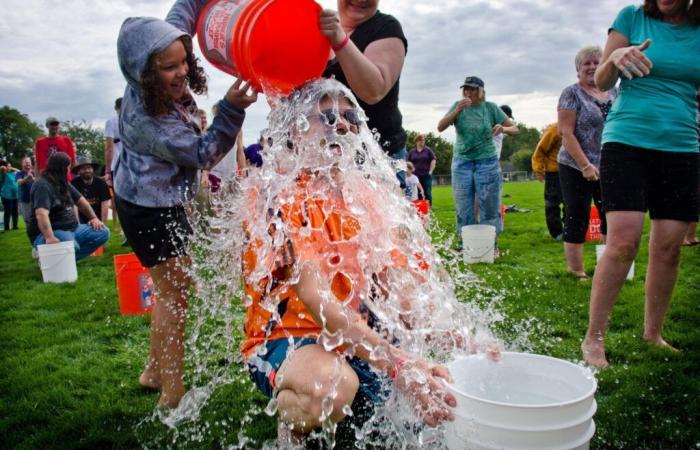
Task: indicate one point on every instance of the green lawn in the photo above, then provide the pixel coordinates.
(69, 362)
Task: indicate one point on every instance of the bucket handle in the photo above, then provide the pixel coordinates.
(483, 254)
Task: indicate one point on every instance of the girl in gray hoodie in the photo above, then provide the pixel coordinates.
(156, 173)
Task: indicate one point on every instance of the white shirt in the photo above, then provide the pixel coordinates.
(112, 131)
(412, 187)
(498, 141)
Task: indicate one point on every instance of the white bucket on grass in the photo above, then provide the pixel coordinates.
(478, 243)
(524, 401)
(599, 249)
(57, 262)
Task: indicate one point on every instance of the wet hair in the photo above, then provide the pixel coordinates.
(585, 52)
(155, 100)
(691, 12)
(56, 173)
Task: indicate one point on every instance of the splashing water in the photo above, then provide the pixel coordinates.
(381, 262)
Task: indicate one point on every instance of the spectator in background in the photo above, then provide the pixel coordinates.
(476, 173)
(413, 184)
(94, 189)
(424, 161)
(498, 138)
(650, 158)
(582, 112)
(9, 194)
(53, 216)
(369, 49)
(546, 168)
(227, 168)
(113, 144)
(253, 153)
(25, 179)
(48, 145)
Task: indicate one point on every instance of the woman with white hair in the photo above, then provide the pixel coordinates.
(582, 112)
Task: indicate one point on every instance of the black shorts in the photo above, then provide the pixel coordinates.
(155, 234)
(637, 179)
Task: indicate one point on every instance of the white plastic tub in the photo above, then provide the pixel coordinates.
(478, 243)
(600, 249)
(57, 262)
(524, 401)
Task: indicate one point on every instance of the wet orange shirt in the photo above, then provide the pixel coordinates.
(319, 230)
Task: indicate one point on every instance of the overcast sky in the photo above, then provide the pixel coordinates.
(59, 57)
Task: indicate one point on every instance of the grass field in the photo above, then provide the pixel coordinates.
(69, 362)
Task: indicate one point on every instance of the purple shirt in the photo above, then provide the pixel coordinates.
(421, 160)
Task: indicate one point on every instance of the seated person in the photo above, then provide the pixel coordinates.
(53, 218)
(94, 189)
(336, 278)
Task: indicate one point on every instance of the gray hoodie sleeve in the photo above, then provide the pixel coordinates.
(175, 142)
(185, 13)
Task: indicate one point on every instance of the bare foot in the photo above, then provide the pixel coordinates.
(660, 342)
(150, 379)
(594, 353)
(579, 275)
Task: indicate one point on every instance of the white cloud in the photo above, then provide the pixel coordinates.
(59, 58)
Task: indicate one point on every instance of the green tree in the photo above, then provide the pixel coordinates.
(527, 138)
(17, 135)
(439, 146)
(522, 159)
(89, 141)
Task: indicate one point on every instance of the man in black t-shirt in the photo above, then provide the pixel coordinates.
(94, 189)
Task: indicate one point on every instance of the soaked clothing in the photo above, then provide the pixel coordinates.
(316, 229)
(590, 117)
(657, 112)
(161, 156)
(384, 115)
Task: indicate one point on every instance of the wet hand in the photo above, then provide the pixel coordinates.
(330, 27)
(631, 61)
(424, 385)
(238, 96)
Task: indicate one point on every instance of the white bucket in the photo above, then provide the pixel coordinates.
(599, 249)
(57, 262)
(523, 401)
(478, 243)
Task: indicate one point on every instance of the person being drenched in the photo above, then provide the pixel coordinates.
(346, 300)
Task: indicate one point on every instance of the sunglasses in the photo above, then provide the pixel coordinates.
(330, 117)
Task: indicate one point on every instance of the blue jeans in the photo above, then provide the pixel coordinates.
(400, 174)
(85, 239)
(482, 179)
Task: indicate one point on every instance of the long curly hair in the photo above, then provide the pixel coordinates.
(155, 100)
(691, 11)
(56, 173)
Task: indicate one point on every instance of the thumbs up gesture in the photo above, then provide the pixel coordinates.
(631, 60)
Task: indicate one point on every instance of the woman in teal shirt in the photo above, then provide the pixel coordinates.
(649, 159)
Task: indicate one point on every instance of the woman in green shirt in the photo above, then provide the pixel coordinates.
(649, 159)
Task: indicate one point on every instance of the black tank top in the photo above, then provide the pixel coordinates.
(384, 115)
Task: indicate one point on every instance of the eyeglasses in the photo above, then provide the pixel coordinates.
(330, 117)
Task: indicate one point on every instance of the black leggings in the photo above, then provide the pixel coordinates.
(11, 211)
(577, 192)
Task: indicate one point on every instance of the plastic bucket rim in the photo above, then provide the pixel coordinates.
(589, 393)
(587, 436)
(570, 424)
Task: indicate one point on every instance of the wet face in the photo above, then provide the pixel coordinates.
(86, 172)
(172, 70)
(335, 113)
(586, 70)
(27, 164)
(355, 12)
(670, 8)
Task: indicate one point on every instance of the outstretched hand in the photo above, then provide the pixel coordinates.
(631, 61)
(238, 96)
(424, 385)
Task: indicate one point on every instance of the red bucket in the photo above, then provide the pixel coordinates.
(594, 232)
(422, 207)
(99, 251)
(134, 285)
(275, 44)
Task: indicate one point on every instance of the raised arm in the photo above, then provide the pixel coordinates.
(185, 13)
(621, 57)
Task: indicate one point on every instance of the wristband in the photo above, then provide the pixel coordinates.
(339, 47)
(587, 166)
(398, 364)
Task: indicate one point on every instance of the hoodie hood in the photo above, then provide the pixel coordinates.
(139, 38)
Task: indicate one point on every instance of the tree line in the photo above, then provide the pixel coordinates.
(18, 133)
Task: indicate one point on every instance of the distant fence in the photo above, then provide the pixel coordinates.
(446, 180)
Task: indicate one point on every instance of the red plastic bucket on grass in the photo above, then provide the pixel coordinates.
(99, 251)
(134, 285)
(422, 207)
(594, 233)
(274, 44)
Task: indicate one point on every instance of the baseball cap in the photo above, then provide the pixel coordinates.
(52, 119)
(473, 82)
